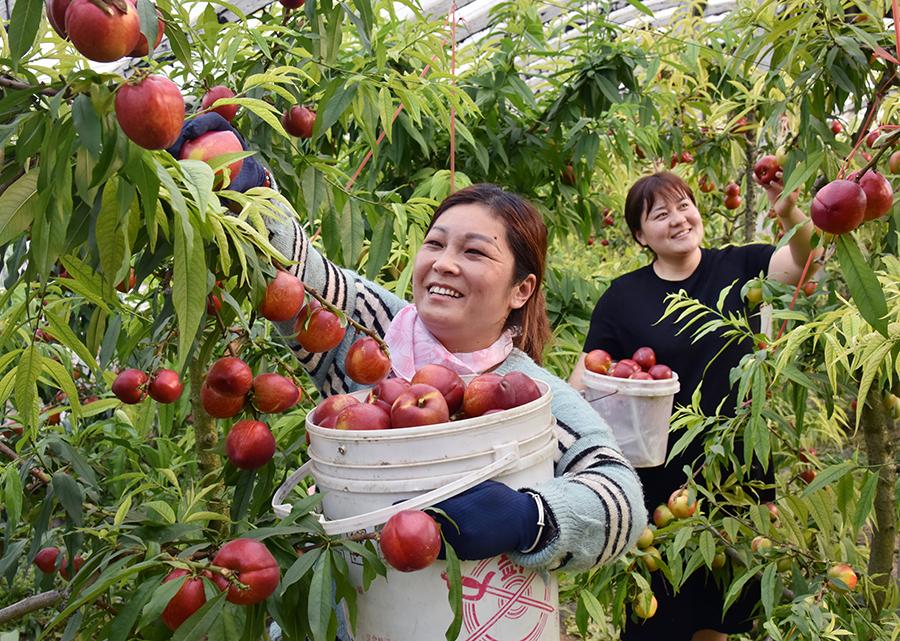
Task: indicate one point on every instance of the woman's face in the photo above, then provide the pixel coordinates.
(462, 279)
(672, 228)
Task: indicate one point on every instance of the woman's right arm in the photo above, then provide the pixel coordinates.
(365, 302)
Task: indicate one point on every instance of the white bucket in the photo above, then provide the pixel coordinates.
(637, 411)
(362, 474)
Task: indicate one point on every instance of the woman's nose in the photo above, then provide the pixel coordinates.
(445, 262)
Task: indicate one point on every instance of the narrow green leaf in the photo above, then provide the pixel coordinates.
(319, 607)
(300, 567)
(149, 22)
(12, 496)
(87, 123)
(338, 96)
(352, 232)
(27, 373)
(380, 246)
(120, 627)
(202, 620)
(863, 284)
(454, 592)
(64, 334)
(70, 495)
(26, 16)
(17, 207)
(162, 594)
(866, 500)
(110, 233)
(828, 476)
(63, 379)
(188, 290)
(767, 589)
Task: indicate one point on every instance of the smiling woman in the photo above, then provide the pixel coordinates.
(662, 214)
(478, 306)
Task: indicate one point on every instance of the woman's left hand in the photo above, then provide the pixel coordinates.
(492, 519)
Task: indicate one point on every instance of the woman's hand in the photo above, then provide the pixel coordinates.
(774, 190)
(492, 519)
(252, 172)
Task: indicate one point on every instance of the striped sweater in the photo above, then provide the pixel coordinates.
(595, 498)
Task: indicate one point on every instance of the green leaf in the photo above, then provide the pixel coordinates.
(27, 373)
(87, 123)
(454, 592)
(70, 495)
(64, 334)
(12, 496)
(264, 111)
(110, 234)
(202, 620)
(26, 16)
(119, 629)
(300, 567)
(17, 206)
(319, 606)
(707, 547)
(380, 246)
(149, 23)
(338, 96)
(592, 606)
(64, 380)
(866, 500)
(162, 594)
(734, 589)
(352, 232)
(828, 476)
(767, 589)
(864, 287)
(188, 290)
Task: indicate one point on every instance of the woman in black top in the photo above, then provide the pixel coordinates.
(661, 212)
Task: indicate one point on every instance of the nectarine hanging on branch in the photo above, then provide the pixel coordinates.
(103, 34)
(150, 111)
(838, 207)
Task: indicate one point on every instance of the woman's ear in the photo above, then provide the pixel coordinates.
(523, 291)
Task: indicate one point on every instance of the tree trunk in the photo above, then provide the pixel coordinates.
(877, 430)
(206, 437)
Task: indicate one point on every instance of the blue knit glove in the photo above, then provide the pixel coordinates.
(252, 172)
(492, 519)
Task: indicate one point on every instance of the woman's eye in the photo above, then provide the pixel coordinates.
(431, 243)
(477, 252)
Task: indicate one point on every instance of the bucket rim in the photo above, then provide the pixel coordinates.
(606, 383)
(450, 427)
(547, 434)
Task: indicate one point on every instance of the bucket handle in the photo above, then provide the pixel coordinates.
(506, 454)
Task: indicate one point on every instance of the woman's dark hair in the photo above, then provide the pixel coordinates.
(643, 194)
(526, 235)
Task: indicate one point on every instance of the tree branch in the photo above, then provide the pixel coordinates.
(12, 83)
(39, 474)
(30, 604)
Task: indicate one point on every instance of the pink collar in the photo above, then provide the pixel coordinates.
(413, 346)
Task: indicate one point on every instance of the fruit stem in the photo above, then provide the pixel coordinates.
(887, 146)
(359, 328)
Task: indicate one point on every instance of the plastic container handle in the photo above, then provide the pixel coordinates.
(506, 455)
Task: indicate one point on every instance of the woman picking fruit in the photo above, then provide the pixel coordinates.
(478, 307)
(661, 212)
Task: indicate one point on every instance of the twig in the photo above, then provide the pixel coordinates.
(12, 83)
(40, 475)
(358, 327)
(29, 605)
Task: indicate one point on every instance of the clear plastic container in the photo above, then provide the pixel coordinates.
(637, 411)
